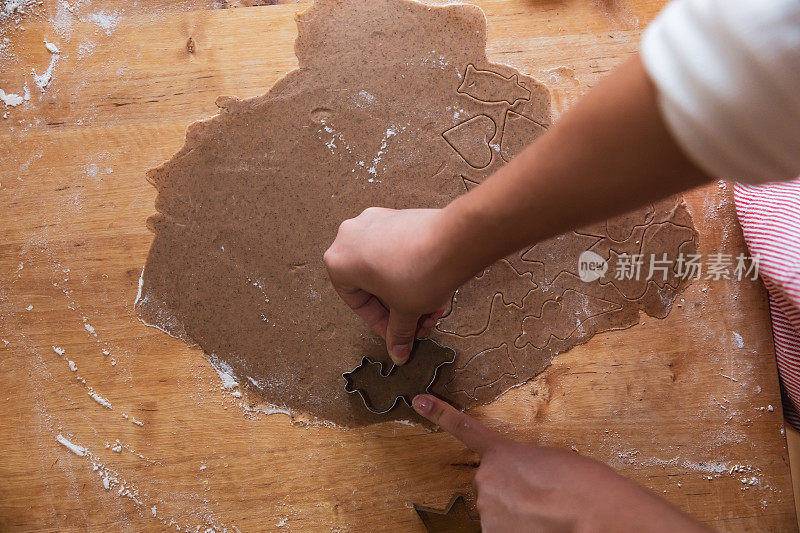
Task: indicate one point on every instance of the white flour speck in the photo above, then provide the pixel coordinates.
(86, 48)
(364, 99)
(91, 170)
(738, 339)
(99, 399)
(43, 80)
(74, 448)
(10, 100)
(62, 22)
(107, 21)
(225, 373)
(51, 47)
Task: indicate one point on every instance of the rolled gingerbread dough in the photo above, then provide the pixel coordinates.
(394, 104)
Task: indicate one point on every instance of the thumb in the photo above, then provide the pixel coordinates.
(400, 331)
(472, 433)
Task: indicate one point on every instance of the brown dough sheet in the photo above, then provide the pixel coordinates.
(394, 104)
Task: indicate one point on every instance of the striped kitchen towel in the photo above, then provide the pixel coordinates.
(770, 219)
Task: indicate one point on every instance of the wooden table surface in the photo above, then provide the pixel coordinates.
(688, 406)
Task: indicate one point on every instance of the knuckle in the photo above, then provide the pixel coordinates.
(332, 259)
(343, 227)
(463, 422)
(438, 416)
(455, 421)
(329, 256)
(372, 212)
(401, 330)
(441, 411)
(401, 336)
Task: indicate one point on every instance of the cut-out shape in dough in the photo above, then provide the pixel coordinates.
(477, 373)
(469, 184)
(621, 228)
(471, 299)
(471, 140)
(563, 311)
(518, 132)
(492, 88)
(550, 253)
(382, 392)
(560, 318)
(653, 241)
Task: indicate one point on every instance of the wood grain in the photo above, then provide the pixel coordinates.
(674, 404)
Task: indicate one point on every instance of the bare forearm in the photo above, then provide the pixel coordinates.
(606, 156)
(609, 154)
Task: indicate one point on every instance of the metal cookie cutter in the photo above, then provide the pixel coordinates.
(382, 392)
(455, 516)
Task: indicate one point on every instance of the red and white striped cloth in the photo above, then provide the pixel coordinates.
(770, 219)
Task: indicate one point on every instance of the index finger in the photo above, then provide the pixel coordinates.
(472, 433)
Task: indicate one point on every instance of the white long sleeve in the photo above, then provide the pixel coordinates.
(728, 79)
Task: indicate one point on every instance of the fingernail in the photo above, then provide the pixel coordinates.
(400, 353)
(422, 404)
